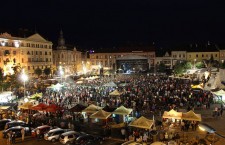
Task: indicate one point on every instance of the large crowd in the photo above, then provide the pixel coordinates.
(145, 94)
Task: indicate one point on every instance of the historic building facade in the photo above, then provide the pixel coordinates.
(29, 53)
(66, 57)
(128, 61)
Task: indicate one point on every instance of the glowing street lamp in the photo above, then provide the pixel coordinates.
(24, 78)
(61, 72)
(194, 63)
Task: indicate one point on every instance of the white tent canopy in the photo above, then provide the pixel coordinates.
(110, 84)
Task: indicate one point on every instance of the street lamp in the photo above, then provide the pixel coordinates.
(61, 72)
(194, 63)
(24, 78)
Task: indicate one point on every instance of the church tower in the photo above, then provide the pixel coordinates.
(61, 42)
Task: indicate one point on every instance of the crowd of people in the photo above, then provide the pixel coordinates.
(145, 94)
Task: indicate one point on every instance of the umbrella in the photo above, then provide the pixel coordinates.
(39, 107)
(52, 108)
(27, 105)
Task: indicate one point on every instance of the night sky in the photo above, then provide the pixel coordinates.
(107, 23)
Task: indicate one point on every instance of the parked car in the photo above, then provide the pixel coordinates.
(17, 130)
(54, 134)
(43, 129)
(3, 123)
(15, 123)
(89, 140)
(69, 137)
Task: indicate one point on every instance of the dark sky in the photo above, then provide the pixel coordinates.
(106, 23)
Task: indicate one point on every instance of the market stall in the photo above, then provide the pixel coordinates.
(172, 114)
(191, 116)
(142, 122)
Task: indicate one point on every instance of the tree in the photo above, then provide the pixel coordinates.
(199, 65)
(161, 67)
(47, 71)
(38, 71)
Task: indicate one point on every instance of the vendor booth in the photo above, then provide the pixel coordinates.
(191, 116)
(115, 93)
(142, 122)
(101, 114)
(124, 112)
(172, 114)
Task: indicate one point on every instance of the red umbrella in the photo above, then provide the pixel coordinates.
(39, 107)
(52, 108)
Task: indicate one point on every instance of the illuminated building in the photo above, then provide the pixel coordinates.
(29, 53)
(126, 60)
(66, 56)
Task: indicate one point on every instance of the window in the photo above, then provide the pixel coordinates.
(29, 59)
(196, 55)
(189, 56)
(28, 44)
(183, 55)
(28, 52)
(96, 56)
(32, 45)
(46, 59)
(22, 60)
(50, 53)
(215, 55)
(46, 53)
(28, 67)
(40, 52)
(202, 55)
(36, 52)
(14, 52)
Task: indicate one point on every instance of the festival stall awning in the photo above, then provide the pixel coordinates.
(191, 116)
(77, 108)
(39, 107)
(220, 93)
(110, 84)
(158, 143)
(172, 114)
(108, 109)
(92, 109)
(115, 93)
(142, 122)
(35, 96)
(5, 107)
(101, 114)
(120, 125)
(199, 86)
(26, 106)
(122, 111)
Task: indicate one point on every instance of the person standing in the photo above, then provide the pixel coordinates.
(23, 134)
